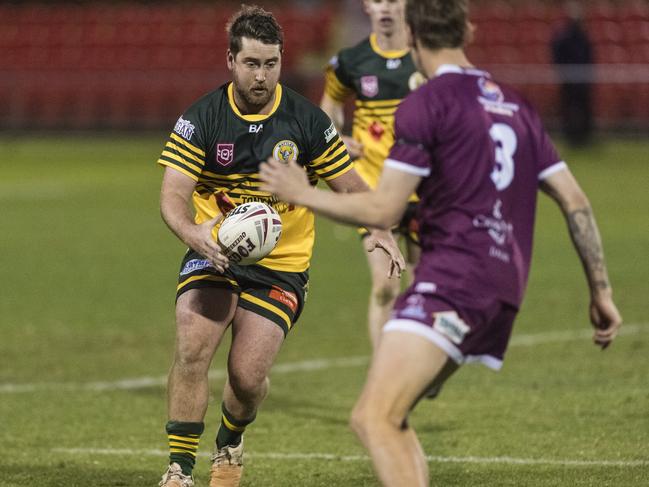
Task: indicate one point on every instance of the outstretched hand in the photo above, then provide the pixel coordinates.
(606, 319)
(383, 239)
(287, 181)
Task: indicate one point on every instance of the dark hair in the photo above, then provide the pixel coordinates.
(438, 24)
(255, 23)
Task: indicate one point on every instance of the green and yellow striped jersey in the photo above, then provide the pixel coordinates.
(379, 80)
(221, 149)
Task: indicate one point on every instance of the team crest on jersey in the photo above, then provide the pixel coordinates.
(370, 86)
(416, 80)
(285, 150)
(490, 90)
(224, 154)
(184, 128)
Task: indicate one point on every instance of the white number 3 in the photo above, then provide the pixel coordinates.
(505, 139)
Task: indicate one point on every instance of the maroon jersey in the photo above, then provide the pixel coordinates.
(481, 150)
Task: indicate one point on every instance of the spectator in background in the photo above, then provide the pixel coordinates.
(572, 52)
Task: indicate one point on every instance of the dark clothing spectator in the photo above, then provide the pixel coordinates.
(572, 52)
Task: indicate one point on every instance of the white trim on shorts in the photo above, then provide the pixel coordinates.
(455, 354)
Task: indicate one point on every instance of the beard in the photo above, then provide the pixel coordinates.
(256, 96)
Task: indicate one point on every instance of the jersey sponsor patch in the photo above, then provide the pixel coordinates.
(285, 150)
(330, 133)
(285, 297)
(370, 86)
(224, 154)
(449, 324)
(195, 265)
(184, 128)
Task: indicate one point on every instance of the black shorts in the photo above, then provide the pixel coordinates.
(276, 295)
(407, 227)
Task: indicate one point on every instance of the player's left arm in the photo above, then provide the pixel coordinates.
(563, 188)
(381, 208)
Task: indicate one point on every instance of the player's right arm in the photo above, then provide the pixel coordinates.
(563, 188)
(175, 200)
(336, 90)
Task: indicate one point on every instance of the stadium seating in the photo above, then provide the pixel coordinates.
(138, 64)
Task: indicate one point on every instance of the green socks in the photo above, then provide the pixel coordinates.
(183, 443)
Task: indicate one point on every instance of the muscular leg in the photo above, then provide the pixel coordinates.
(382, 295)
(255, 344)
(402, 368)
(202, 316)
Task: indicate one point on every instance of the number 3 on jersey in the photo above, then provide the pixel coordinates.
(506, 142)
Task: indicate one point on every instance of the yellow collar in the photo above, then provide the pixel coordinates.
(254, 117)
(386, 54)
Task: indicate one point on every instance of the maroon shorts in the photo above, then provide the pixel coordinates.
(465, 334)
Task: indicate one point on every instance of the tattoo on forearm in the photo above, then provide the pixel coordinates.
(588, 243)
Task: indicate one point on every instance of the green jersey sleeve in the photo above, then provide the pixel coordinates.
(328, 158)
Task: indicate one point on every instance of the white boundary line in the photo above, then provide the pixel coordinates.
(365, 458)
(522, 340)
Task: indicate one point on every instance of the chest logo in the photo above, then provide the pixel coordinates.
(370, 86)
(224, 154)
(416, 80)
(285, 150)
(393, 63)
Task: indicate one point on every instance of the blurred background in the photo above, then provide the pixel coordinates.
(137, 65)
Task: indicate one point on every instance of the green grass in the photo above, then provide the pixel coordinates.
(88, 274)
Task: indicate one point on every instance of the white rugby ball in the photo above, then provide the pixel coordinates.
(249, 232)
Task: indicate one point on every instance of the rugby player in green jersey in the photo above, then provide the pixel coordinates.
(212, 161)
(378, 72)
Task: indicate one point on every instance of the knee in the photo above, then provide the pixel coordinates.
(248, 386)
(384, 291)
(366, 419)
(192, 354)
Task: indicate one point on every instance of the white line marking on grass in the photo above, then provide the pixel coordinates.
(524, 340)
(365, 458)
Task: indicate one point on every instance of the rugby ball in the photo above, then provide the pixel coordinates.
(249, 232)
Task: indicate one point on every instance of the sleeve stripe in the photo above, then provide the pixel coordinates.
(334, 88)
(324, 156)
(184, 162)
(340, 152)
(409, 168)
(188, 145)
(162, 162)
(185, 153)
(332, 167)
(554, 168)
(349, 165)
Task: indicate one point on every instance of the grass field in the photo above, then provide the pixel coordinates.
(88, 275)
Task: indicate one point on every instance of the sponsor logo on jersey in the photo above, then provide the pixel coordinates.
(490, 90)
(493, 100)
(449, 324)
(285, 150)
(195, 265)
(285, 297)
(393, 63)
(224, 154)
(330, 133)
(370, 86)
(184, 128)
(498, 229)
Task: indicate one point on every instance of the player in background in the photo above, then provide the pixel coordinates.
(379, 73)
(211, 161)
(476, 153)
